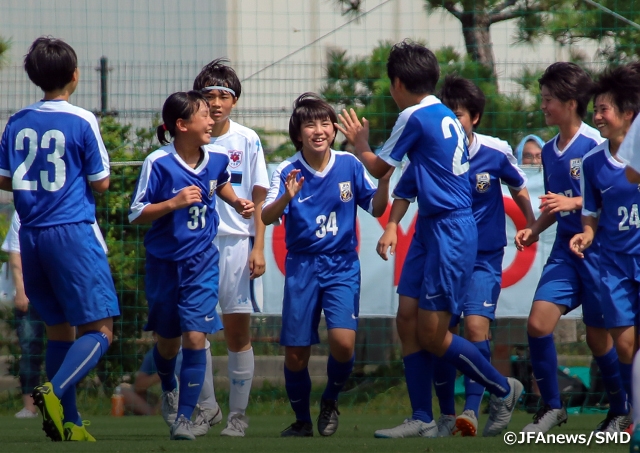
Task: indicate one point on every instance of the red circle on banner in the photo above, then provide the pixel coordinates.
(524, 259)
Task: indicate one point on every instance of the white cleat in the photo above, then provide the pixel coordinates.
(446, 425)
(409, 428)
(236, 425)
(205, 419)
(501, 409)
(545, 419)
(181, 429)
(170, 406)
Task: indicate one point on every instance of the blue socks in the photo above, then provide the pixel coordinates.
(337, 375)
(544, 361)
(625, 375)
(194, 363)
(466, 358)
(56, 352)
(166, 370)
(474, 391)
(610, 371)
(418, 371)
(298, 386)
(444, 381)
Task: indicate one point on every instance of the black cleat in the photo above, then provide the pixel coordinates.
(298, 429)
(328, 418)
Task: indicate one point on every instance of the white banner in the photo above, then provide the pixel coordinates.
(521, 270)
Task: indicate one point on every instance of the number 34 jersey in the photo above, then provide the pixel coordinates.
(607, 194)
(321, 218)
(188, 231)
(49, 150)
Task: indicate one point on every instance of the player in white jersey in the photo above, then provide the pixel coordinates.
(240, 241)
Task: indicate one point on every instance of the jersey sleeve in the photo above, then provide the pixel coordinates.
(259, 174)
(403, 136)
(591, 196)
(407, 187)
(365, 189)
(627, 150)
(277, 188)
(510, 173)
(11, 242)
(225, 175)
(96, 158)
(4, 153)
(145, 187)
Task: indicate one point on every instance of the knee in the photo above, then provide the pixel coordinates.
(342, 350)
(477, 330)
(625, 349)
(599, 341)
(296, 359)
(168, 349)
(407, 326)
(537, 327)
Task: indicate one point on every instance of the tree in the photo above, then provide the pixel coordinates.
(5, 44)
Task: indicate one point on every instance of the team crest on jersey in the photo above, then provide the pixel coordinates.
(574, 168)
(212, 186)
(235, 158)
(345, 191)
(483, 182)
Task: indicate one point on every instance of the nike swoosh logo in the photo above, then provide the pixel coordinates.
(538, 380)
(354, 316)
(617, 391)
(605, 190)
(428, 297)
(487, 305)
(192, 385)
(438, 384)
(302, 200)
(174, 190)
(296, 401)
(209, 318)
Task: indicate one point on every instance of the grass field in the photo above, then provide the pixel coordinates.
(150, 434)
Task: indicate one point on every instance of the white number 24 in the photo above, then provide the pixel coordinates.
(55, 157)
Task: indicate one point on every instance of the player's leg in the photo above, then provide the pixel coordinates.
(208, 411)
(635, 438)
(30, 332)
(444, 381)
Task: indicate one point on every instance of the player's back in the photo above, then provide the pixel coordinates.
(51, 150)
(562, 170)
(431, 136)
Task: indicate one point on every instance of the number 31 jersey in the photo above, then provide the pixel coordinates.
(50, 150)
(321, 218)
(188, 231)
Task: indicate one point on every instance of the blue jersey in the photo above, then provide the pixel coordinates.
(188, 231)
(321, 219)
(491, 161)
(607, 194)
(431, 136)
(562, 173)
(50, 150)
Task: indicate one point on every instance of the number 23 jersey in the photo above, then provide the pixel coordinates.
(321, 218)
(188, 231)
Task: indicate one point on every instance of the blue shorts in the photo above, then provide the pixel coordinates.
(620, 288)
(182, 295)
(569, 280)
(440, 259)
(66, 274)
(316, 283)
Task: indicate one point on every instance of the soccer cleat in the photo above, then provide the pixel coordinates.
(446, 425)
(26, 413)
(51, 410)
(634, 443)
(181, 429)
(298, 429)
(614, 423)
(75, 433)
(205, 419)
(409, 428)
(546, 418)
(236, 426)
(501, 409)
(170, 406)
(467, 424)
(328, 418)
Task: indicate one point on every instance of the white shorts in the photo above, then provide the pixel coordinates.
(237, 293)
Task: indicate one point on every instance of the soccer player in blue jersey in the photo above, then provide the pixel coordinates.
(610, 213)
(318, 190)
(491, 162)
(176, 193)
(446, 238)
(566, 280)
(52, 157)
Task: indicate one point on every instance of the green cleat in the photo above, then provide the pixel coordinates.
(51, 410)
(75, 433)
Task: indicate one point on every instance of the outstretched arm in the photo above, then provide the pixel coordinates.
(243, 207)
(389, 238)
(273, 211)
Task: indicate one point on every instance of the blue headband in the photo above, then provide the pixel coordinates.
(528, 138)
(205, 89)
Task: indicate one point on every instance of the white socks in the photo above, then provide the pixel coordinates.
(241, 368)
(207, 399)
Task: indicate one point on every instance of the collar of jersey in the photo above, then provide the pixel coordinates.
(322, 173)
(474, 146)
(607, 152)
(573, 139)
(196, 170)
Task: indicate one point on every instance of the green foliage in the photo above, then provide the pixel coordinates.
(5, 44)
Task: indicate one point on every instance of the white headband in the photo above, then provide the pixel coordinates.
(219, 88)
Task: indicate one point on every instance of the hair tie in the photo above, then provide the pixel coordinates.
(164, 127)
(221, 88)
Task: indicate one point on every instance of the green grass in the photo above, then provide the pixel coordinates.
(150, 434)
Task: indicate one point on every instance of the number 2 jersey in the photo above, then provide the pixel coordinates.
(321, 218)
(51, 150)
(607, 194)
(188, 231)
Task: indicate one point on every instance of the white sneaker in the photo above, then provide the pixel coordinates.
(181, 429)
(205, 419)
(501, 409)
(467, 424)
(26, 413)
(236, 425)
(170, 406)
(545, 419)
(409, 428)
(614, 423)
(446, 425)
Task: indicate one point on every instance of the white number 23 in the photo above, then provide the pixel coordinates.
(54, 155)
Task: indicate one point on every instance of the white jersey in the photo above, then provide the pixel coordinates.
(248, 169)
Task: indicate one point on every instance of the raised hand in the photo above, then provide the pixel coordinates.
(354, 130)
(293, 184)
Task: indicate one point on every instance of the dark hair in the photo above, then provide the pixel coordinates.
(180, 105)
(568, 81)
(308, 107)
(415, 66)
(50, 63)
(622, 84)
(458, 92)
(218, 73)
